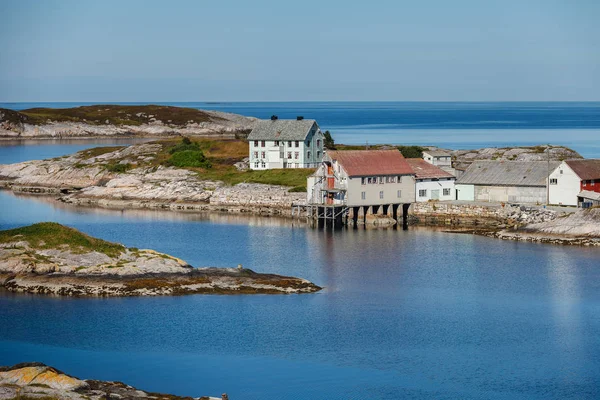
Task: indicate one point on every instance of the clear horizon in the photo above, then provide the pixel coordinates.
(328, 50)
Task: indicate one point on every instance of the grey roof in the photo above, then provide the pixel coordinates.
(437, 153)
(282, 129)
(508, 173)
(587, 194)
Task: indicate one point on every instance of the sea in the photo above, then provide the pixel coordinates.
(416, 314)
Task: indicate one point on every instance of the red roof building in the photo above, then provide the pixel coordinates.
(571, 178)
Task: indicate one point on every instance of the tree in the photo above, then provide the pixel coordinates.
(328, 141)
(411, 151)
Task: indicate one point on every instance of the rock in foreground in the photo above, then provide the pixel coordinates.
(38, 381)
(49, 258)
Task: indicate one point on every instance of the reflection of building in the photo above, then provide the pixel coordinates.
(574, 182)
(363, 182)
(432, 183)
(281, 143)
(505, 181)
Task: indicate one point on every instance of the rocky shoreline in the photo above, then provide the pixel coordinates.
(39, 381)
(48, 258)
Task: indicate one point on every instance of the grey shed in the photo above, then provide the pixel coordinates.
(507, 173)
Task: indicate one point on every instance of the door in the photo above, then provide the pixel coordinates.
(435, 194)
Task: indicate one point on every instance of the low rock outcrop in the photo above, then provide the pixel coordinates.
(49, 258)
(121, 121)
(131, 177)
(39, 381)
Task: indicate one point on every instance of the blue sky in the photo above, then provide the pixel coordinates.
(184, 50)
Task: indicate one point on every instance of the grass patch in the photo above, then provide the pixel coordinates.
(189, 159)
(118, 168)
(98, 151)
(50, 235)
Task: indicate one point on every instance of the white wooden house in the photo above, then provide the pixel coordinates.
(280, 143)
(572, 181)
(432, 183)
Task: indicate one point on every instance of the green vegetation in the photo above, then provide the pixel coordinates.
(111, 114)
(118, 168)
(50, 235)
(188, 154)
(411, 151)
(328, 141)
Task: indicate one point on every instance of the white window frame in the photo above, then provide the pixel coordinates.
(422, 192)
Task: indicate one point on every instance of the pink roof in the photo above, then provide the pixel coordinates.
(372, 162)
(424, 170)
(585, 169)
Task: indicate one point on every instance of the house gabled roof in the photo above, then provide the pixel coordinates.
(508, 173)
(437, 153)
(372, 162)
(424, 170)
(282, 129)
(585, 169)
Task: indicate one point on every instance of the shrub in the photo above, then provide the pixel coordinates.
(119, 168)
(189, 158)
(185, 145)
(411, 151)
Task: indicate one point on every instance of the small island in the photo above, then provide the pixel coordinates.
(39, 381)
(49, 258)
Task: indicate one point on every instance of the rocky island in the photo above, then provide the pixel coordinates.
(49, 258)
(120, 121)
(38, 381)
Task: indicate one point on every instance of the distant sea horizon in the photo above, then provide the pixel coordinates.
(451, 125)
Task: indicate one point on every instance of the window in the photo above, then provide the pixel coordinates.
(276, 143)
(422, 192)
(262, 154)
(554, 181)
(290, 143)
(363, 181)
(374, 180)
(255, 154)
(399, 178)
(369, 180)
(256, 164)
(296, 155)
(399, 193)
(381, 179)
(289, 155)
(390, 179)
(363, 195)
(446, 192)
(318, 154)
(263, 164)
(262, 143)
(381, 194)
(318, 142)
(561, 171)
(308, 155)
(256, 143)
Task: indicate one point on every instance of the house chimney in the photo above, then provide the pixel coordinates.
(299, 118)
(274, 117)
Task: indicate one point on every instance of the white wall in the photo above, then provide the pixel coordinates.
(567, 188)
(429, 186)
(465, 192)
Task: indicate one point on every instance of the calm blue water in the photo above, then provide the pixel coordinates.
(418, 314)
(448, 125)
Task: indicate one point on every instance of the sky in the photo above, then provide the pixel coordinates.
(309, 50)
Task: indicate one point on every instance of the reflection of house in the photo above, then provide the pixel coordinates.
(505, 181)
(437, 157)
(571, 179)
(362, 178)
(432, 183)
(279, 143)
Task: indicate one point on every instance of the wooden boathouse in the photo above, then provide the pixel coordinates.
(354, 185)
